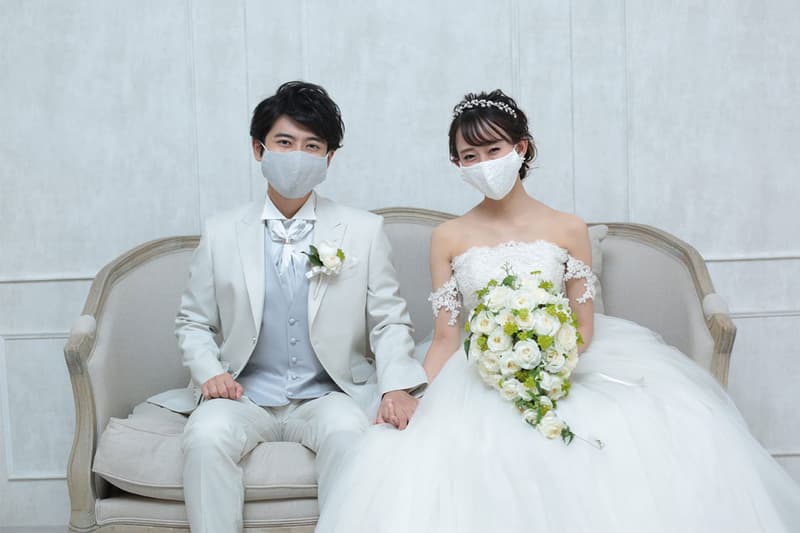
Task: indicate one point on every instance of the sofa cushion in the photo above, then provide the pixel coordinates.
(597, 233)
(126, 513)
(142, 455)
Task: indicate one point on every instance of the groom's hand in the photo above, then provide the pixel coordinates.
(397, 408)
(222, 386)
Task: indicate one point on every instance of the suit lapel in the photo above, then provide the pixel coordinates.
(250, 239)
(329, 227)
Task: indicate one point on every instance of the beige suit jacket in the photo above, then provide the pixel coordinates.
(359, 325)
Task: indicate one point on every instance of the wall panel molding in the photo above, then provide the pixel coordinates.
(513, 12)
(46, 278)
(789, 313)
(13, 472)
(760, 256)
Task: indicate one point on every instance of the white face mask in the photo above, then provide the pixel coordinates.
(494, 178)
(293, 174)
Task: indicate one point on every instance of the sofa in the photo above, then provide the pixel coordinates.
(125, 466)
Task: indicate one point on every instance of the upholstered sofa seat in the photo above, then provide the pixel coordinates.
(125, 467)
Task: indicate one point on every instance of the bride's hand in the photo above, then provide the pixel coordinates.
(396, 408)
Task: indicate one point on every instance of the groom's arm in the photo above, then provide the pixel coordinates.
(197, 322)
(389, 323)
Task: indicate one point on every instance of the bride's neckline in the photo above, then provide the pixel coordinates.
(504, 244)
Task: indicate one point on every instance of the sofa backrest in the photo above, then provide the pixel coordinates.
(648, 281)
(645, 278)
(134, 300)
(409, 231)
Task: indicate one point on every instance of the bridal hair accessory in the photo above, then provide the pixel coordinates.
(523, 338)
(480, 102)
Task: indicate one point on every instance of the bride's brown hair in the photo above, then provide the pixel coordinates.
(485, 118)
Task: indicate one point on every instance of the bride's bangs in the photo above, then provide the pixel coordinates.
(480, 131)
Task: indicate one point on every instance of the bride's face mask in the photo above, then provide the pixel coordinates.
(496, 177)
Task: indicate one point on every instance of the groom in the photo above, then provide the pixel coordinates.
(291, 324)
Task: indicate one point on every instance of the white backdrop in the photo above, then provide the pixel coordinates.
(122, 122)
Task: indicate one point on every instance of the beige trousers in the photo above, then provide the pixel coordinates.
(221, 432)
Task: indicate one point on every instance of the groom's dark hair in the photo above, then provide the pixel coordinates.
(305, 103)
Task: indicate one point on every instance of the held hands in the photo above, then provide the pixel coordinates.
(222, 386)
(397, 408)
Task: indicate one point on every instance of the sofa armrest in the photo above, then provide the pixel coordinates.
(80, 480)
(661, 282)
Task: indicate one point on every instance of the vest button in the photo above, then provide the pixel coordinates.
(292, 341)
(292, 321)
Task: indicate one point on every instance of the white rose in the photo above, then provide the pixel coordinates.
(489, 377)
(530, 416)
(329, 255)
(498, 297)
(552, 385)
(545, 402)
(572, 360)
(540, 296)
(475, 352)
(527, 354)
(554, 361)
(520, 299)
(504, 317)
(510, 389)
(523, 392)
(483, 322)
(508, 364)
(525, 324)
(544, 323)
(490, 362)
(498, 341)
(566, 338)
(551, 426)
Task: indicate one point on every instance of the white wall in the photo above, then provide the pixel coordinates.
(127, 121)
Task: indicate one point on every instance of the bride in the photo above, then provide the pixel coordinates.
(661, 447)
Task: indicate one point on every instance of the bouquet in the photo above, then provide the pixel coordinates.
(523, 338)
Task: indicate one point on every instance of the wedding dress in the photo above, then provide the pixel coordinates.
(677, 455)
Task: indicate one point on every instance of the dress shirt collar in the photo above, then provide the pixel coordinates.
(306, 212)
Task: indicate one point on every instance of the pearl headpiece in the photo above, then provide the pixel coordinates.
(469, 104)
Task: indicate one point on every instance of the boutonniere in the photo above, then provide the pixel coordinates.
(325, 258)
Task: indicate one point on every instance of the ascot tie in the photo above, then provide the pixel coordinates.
(287, 233)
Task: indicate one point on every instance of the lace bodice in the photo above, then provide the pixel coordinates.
(476, 266)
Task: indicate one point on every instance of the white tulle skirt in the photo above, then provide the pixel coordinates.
(678, 457)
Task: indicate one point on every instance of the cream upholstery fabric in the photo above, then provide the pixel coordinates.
(597, 233)
(135, 510)
(134, 355)
(142, 455)
(653, 288)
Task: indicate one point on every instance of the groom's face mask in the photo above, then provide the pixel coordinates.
(293, 174)
(294, 159)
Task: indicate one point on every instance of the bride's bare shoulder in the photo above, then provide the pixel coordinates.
(570, 229)
(448, 236)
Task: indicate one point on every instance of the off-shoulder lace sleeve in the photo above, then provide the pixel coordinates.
(577, 269)
(447, 297)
